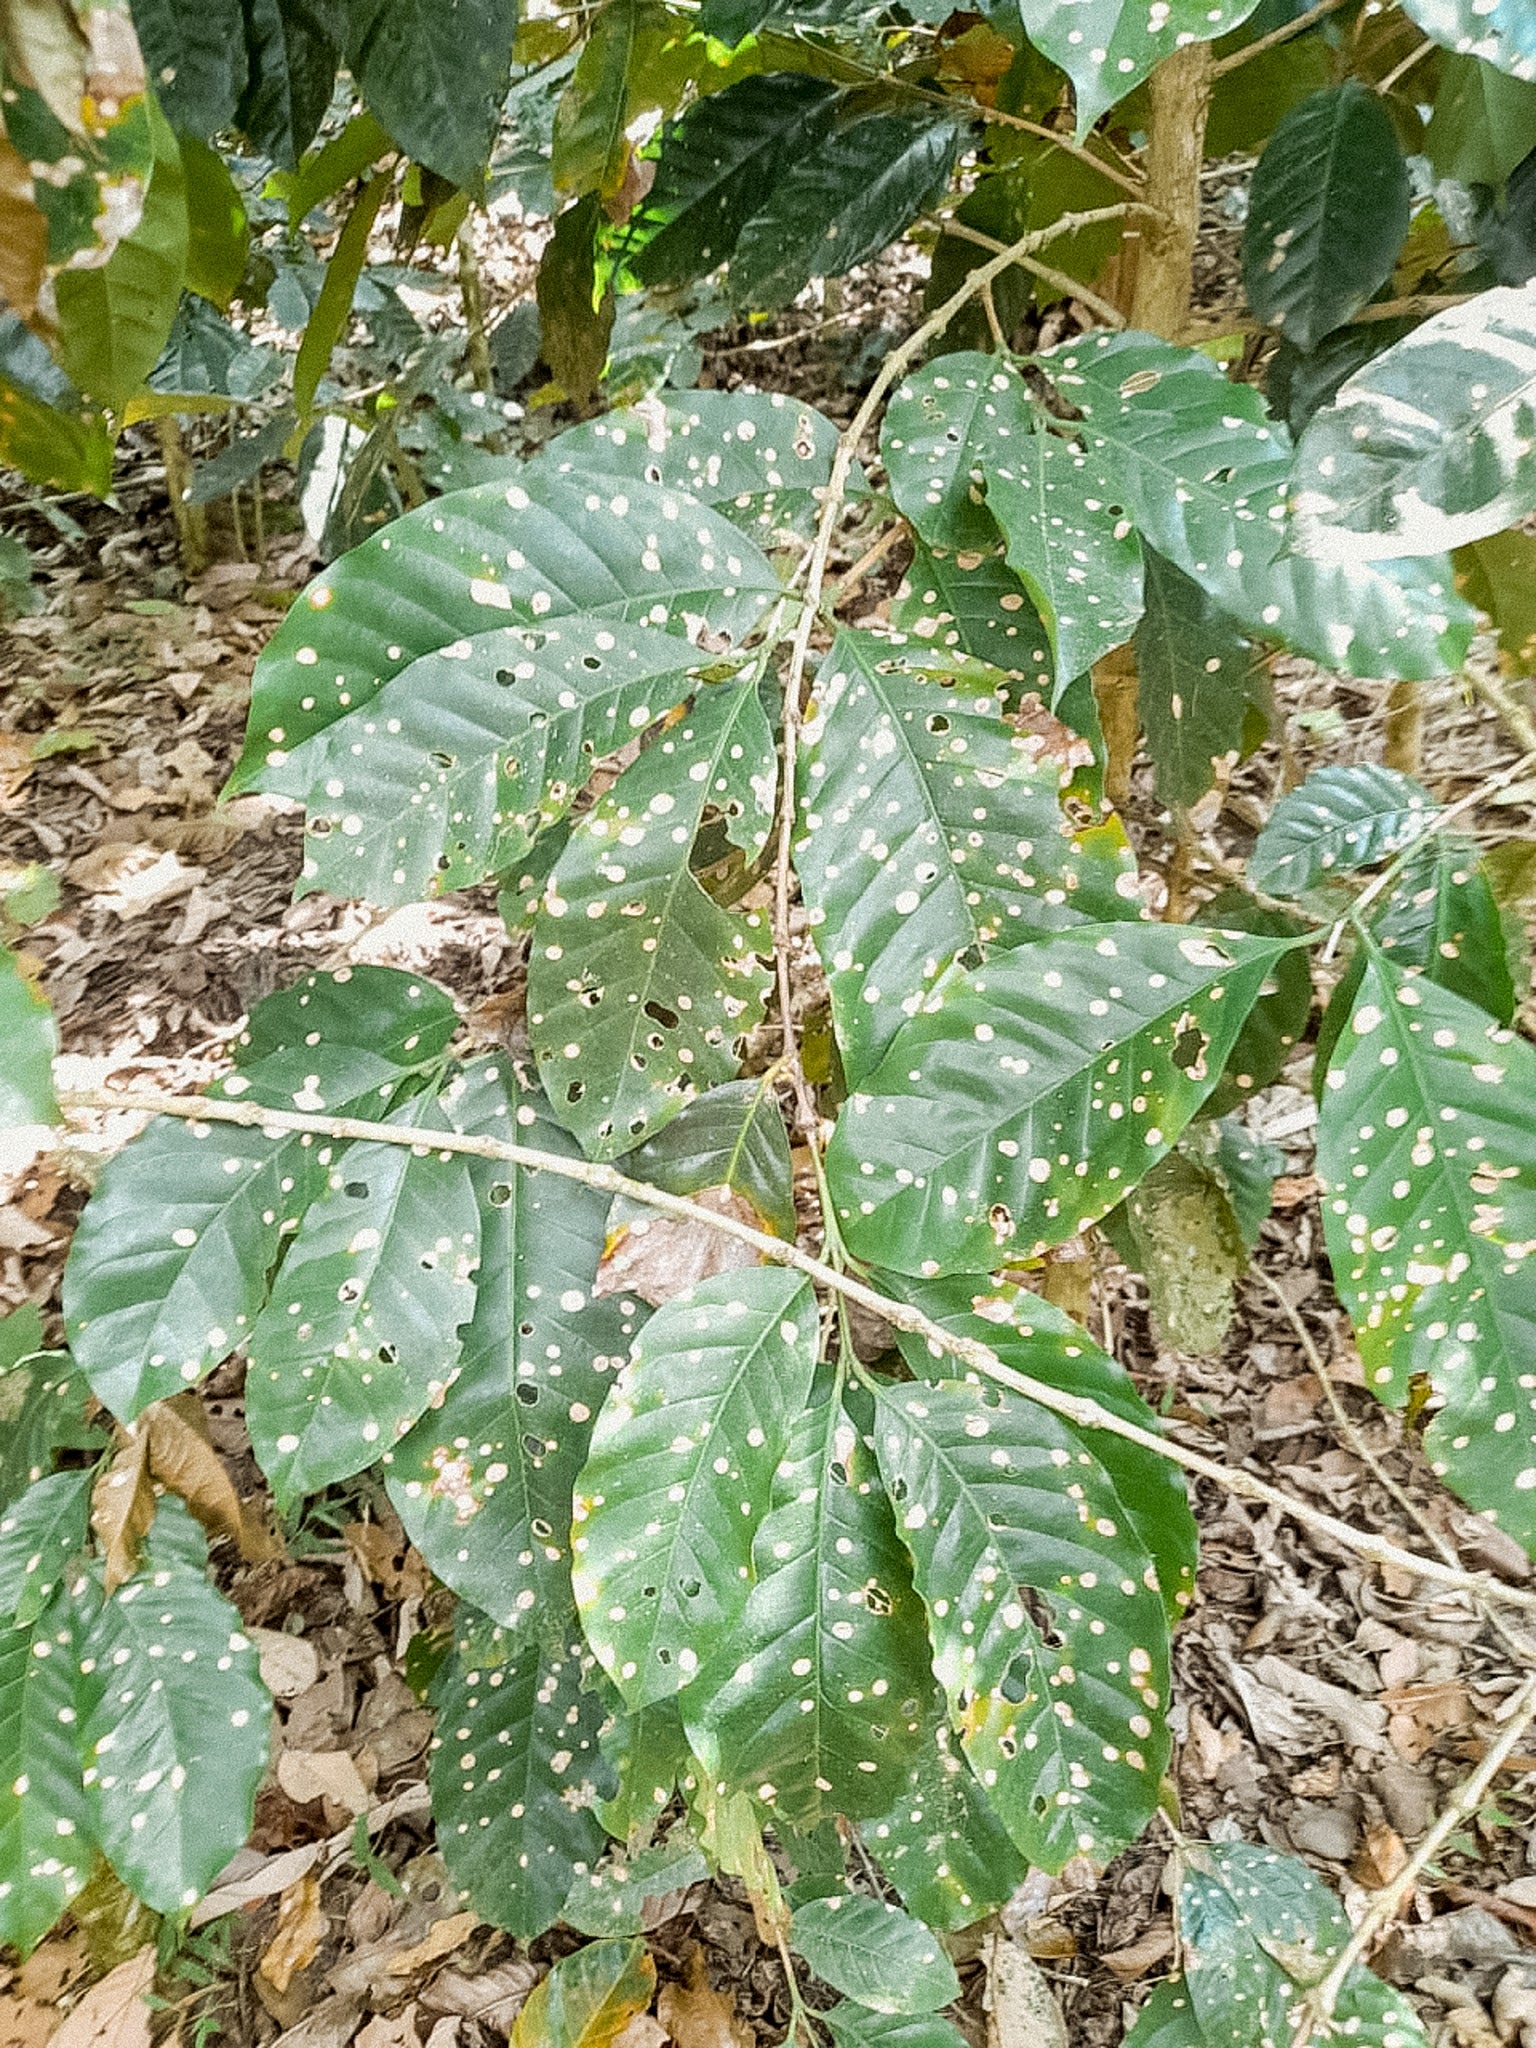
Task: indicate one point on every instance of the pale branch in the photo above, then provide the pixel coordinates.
(1517, 716)
(1437, 824)
(1317, 2012)
(1058, 280)
(980, 1358)
(1277, 36)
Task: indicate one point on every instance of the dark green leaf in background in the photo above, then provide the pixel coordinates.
(731, 1136)
(1342, 818)
(576, 309)
(1193, 667)
(1483, 124)
(294, 47)
(435, 73)
(195, 57)
(874, 1954)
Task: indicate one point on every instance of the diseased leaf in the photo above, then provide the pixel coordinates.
(515, 1772)
(1499, 31)
(1190, 1250)
(588, 1998)
(942, 1847)
(1340, 820)
(46, 1850)
(943, 427)
(855, 2026)
(874, 1954)
(639, 984)
(62, 450)
(576, 307)
(732, 1136)
(1440, 918)
(1277, 1023)
(39, 1535)
(1499, 576)
(650, 1756)
(947, 1157)
(966, 602)
(1107, 47)
(663, 1539)
(1428, 1242)
(1193, 667)
(43, 1402)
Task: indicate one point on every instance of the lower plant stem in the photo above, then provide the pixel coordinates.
(1180, 96)
(477, 347)
(191, 520)
(978, 1357)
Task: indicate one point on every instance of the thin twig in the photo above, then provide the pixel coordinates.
(871, 558)
(1465, 1800)
(1400, 71)
(980, 1358)
(1516, 716)
(1276, 36)
(1058, 280)
(1414, 307)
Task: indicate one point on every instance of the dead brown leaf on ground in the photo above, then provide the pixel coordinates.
(301, 1928)
(113, 2013)
(698, 2016)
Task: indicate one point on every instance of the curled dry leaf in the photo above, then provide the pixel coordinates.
(441, 1940)
(307, 1774)
(113, 2013)
(1021, 2012)
(662, 1257)
(698, 2016)
(122, 1508)
(301, 1928)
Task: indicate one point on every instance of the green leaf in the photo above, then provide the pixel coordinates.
(759, 458)
(1483, 122)
(435, 75)
(62, 450)
(218, 233)
(333, 309)
(1428, 1160)
(816, 1701)
(1249, 1168)
(715, 166)
(30, 1040)
(1107, 47)
(21, 1336)
(588, 1998)
(732, 1136)
(591, 149)
(613, 1898)
(483, 1481)
(1431, 445)
(195, 55)
(1278, 1020)
(850, 195)
(1327, 213)
(1189, 1249)
(1193, 666)
(946, 1158)
(855, 2026)
(43, 1401)
(173, 1720)
(114, 318)
(294, 46)
(439, 583)
(930, 826)
(944, 426)
(1503, 33)
(45, 1847)
(874, 1954)
(967, 602)
(1034, 1337)
(1340, 820)
(169, 1266)
(1204, 473)
(362, 1331)
(329, 169)
(663, 1540)
(941, 1845)
(39, 1535)
(1441, 918)
(639, 984)
(1167, 2020)
(650, 1756)
(515, 1771)
(1065, 1730)
(1499, 576)
(1073, 547)
(576, 304)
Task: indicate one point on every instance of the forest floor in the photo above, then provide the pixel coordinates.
(1322, 1706)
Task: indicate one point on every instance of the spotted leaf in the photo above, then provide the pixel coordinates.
(855, 2026)
(930, 826)
(1431, 445)
(1004, 1508)
(172, 1720)
(497, 555)
(944, 426)
(970, 602)
(650, 1757)
(588, 1998)
(362, 1330)
(46, 1850)
(1194, 674)
(1340, 820)
(732, 1136)
(760, 459)
(170, 1264)
(39, 1536)
(1006, 1115)
(639, 984)
(43, 1401)
(515, 1772)
(940, 1843)
(1107, 47)
(1073, 546)
(613, 1898)
(1428, 1159)
(681, 1472)
(874, 1954)
(483, 1481)
(1204, 473)
(1440, 918)
(816, 1700)
(1501, 32)
(27, 1031)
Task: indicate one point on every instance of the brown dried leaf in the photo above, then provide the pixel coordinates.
(1021, 2011)
(1144, 1954)
(122, 1508)
(113, 2013)
(23, 235)
(662, 1257)
(15, 754)
(698, 2016)
(185, 1463)
(301, 1928)
(308, 1774)
(1381, 1856)
(441, 1940)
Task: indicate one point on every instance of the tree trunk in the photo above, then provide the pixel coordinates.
(1180, 90)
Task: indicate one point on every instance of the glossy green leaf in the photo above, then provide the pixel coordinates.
(1204, 473)
(1431, 445)
(46, 1851)
(1065, 1731)
(1483, 124)
(1167, 2020)
(613, 1898)
(332, 310)
(1499, 577)
(172, 1720)
(44, 1397)
(435, 73)
(483, 1481)
(944, 426)
(663, 1539)
(930, 826)
(874, 1954)
(947, 1157)
(195, 56)
(1193, 667)
(218, 233)
(965, 602)
(591, 150)
(63, 450)
(1327, 213)
(1249, 1168)
(759, 458)
(39, 1535)
(940, 1843)
(649, 1754)
(1277, 1023)
(588, 1998)
(30, 1040)
(169, 1267)
(731, 1136)
(816, 1700)
(448, 579)
(515, 1773)
(294, 46)
(1440, 917)
(362, 1331)
(1428, 1160)
(855, 2026)
(1502, 32)
(639, 984)
(1340, 820)
(1107, 47)
(1073, 547)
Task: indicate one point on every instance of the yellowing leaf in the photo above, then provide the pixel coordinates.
(588, 1998)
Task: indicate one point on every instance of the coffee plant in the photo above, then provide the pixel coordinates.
(867, 1547)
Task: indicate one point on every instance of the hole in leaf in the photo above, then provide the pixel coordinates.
(662, 1015)
(500, 1194)
(526, 1394)
(358, 1190)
